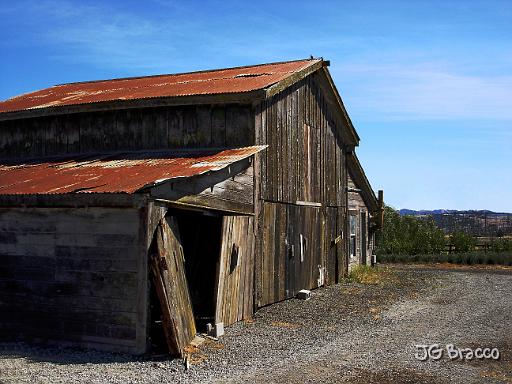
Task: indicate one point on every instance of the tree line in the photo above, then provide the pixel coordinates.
(409, 235)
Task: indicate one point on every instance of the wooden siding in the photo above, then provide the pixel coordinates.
(356, 207)
(230, 189)
(336, 264)
(304, 165)
(75, 276)
(294, 251)
(342, 246)
(305, 160)
(128, 129)
(235, 294)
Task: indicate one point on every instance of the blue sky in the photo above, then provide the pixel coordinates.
(428, 84)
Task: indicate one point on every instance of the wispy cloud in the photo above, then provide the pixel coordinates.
(195, 36)
(105, 36)
(428, 91)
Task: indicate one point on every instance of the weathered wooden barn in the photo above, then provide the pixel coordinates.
(138, 208)
(364, 213)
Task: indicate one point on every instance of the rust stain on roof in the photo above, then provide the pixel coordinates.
(231, 80)
(120, 172)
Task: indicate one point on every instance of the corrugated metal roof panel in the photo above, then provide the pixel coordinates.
(231, 80)
(126, 172)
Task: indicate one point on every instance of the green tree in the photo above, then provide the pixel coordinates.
(403, 235)
(462, 242)
(502, 245)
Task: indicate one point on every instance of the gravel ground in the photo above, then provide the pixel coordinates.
(348, 333)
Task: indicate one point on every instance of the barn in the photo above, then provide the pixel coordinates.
(136, 211)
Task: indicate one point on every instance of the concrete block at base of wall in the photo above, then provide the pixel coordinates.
(218, 330)
(304, 294)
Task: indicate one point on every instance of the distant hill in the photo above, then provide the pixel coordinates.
(473, 222)
(413, 212)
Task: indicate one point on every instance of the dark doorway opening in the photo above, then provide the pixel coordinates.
(201, 241)
(199, 236)
(158, 344)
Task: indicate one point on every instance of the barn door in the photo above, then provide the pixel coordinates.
(236, 270)
(333, 238)
(341, 246)
(168, 270)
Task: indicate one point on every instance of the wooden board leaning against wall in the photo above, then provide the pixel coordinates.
(168, 271)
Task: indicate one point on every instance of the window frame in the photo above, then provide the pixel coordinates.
(352, 230)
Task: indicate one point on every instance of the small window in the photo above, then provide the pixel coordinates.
(353, 226)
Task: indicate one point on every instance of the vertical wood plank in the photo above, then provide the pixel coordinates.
(189, 127)
(235, 285)
(175, 128)
(265, 155)
(218, 127)
(71, 127)
(204, 126)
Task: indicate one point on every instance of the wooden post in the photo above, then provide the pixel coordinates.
(381, 208)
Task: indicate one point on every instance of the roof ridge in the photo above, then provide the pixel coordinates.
(183, 73)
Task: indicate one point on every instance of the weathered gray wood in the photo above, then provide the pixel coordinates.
(258, 176)
(229, 189)
(155, 212)
(305, 166)
(128, 129)
(342, 246)
(357, 207)
(217, 203)
(332, 239)
(237, 124)
(235, 281)
(73, 200)
(306, 148)
(73, 275)
(282, 85)
(292, 251)
(244, 98)
(204, 124)
(168, 271)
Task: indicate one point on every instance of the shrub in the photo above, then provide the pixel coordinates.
(408, 235)
(502, 245)
(469, 258)
(462, 242)
(480, 258)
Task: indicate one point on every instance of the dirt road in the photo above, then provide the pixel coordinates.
(349, 333)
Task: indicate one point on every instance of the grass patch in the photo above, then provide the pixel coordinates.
(284, 324)
(365, 274)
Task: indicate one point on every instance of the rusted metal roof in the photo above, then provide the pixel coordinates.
(120, 172)
(231, 80)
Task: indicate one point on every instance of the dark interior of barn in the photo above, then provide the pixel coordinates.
(201, 240)
(200, 237)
